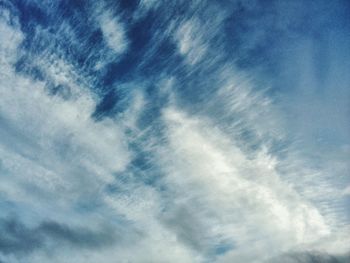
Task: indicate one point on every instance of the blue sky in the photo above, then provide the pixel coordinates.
(174, 131)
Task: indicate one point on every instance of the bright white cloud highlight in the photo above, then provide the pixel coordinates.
(113, 32)
(227, 198)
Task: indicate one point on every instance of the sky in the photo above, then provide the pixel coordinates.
(174, 131)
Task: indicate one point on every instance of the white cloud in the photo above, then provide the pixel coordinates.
(49, 143)
(229, 197)
(190, 41)
(113, 32)
(55, 156)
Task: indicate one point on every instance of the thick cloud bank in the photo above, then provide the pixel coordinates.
(174, 131)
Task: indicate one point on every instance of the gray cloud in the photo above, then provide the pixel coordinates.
(18, 239)
(311, 257)
(80, 237)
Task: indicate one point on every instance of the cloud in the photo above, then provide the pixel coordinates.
(189, 41)
(50, 145)
(18, 239)
(15, 238)
(113, 32)
(308, 257)
(190, 158)
(197, 34)
(209, 180)
(56, 163)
